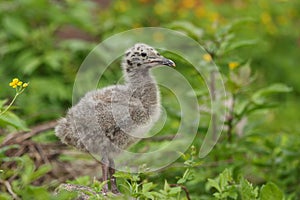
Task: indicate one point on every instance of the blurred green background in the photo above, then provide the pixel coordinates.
(44, 43)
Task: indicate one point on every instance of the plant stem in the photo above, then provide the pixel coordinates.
(11, 103)
(230, 119)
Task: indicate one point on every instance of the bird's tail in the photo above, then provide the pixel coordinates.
(62, 130)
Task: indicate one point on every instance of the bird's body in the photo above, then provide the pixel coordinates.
(107, 121)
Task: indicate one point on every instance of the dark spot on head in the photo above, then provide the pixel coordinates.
(158, 54)
(136, 52)
(143, 54)
(128, 62)
(138, 48)
(139, 64)
(127, 69)
(127, 54)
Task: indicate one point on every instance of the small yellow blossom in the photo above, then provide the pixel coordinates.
(233, 65)
(207, 57)
(16, 82)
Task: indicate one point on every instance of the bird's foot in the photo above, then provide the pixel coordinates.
(104, 190)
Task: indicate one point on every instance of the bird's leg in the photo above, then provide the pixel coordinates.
(105, 171)
(113, 181)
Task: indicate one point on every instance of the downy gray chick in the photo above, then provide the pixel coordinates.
(108, 120)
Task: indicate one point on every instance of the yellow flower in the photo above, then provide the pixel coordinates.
(207, 57)
(233, 65)
(16, 82)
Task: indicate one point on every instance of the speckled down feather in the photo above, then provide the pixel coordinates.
(108, 120)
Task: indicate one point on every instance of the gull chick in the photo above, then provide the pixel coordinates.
(109, 120)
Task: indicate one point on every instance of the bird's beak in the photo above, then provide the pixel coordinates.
(168, 62)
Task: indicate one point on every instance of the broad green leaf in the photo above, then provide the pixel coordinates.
(10, 119)
(227, 29)
(239, 44)
(37, 193)
(259, 96)
(147, 187)
(11, 47)
(212, 183)
(247, 191)
(175, 190)
(31, 65)
(15, 26)
(271, 191)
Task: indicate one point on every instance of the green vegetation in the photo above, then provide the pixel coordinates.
(254, 43)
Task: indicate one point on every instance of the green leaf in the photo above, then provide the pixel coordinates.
(15, 26)
(212, 183)
(42, 170)
(37, 193)
(259, 96)
(166, 186)
(10, 119)
(189, 28)
(270, 191)
(28, 62)
(247, 191)
(147, 187)
(175, 190)
(8, 147)
(239, 44)
(2, 103)
(229, 28)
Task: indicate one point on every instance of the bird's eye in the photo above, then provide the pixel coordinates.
(158, 54)
(143, 54)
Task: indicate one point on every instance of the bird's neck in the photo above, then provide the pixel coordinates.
(139, 79)
(143, 86)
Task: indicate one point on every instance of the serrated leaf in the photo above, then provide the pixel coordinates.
(270, 191)
(247, 191)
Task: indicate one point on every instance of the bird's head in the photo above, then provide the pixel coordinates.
(142, 56)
